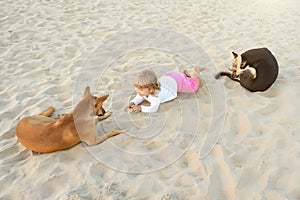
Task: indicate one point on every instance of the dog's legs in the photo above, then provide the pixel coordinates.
(93, 140)
(60, 116)
(48, 112)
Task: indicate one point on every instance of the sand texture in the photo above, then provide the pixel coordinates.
(221, 143)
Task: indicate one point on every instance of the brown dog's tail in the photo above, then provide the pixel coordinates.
(228, 74)
(48, 112)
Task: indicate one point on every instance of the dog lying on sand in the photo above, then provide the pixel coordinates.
(255, 69)
(43, 134)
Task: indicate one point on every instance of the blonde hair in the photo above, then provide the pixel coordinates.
(147, 79)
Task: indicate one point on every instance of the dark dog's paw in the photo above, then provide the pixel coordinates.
(218, 75)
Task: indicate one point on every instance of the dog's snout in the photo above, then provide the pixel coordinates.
(234, 73)
(101, 113)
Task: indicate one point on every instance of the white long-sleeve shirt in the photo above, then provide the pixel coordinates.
(167, 92)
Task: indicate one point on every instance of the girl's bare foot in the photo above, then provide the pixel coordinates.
(200, 83)
(196, 74)
(197, 71)
(185, 71)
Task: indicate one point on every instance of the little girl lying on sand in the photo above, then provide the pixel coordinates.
(162, 90)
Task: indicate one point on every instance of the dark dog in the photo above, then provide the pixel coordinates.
(255, 69)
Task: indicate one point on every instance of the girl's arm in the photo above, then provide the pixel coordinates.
(137, 99)
(154, 105)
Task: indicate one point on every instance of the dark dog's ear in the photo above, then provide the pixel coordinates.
(235, 54)
(86, 92)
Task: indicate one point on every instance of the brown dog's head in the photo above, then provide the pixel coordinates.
(237, 65)
(97, 102)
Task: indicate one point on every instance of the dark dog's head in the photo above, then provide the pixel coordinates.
(237, 65)
(97, 102)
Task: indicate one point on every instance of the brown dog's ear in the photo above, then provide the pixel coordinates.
(235, 54)
(104, 97)
(86, 92)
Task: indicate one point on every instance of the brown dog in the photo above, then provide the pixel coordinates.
(43, 134)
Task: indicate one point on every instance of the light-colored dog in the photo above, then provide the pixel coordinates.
(43, 134)
(255, 69)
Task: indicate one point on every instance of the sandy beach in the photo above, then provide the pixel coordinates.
(221, 143)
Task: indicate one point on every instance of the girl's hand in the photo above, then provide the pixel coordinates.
(131, 104)
(137, 108)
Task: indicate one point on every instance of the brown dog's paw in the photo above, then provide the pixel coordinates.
(105, 116)
(60, 116)
(48, 112)
(117, 132)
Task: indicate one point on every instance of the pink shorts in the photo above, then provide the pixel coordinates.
(184, 84)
